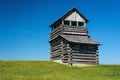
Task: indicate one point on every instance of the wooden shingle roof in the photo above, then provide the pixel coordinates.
(79, 39)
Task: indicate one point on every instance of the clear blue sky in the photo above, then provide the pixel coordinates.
(24, 27)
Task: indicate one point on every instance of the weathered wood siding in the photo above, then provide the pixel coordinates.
(55, 47)
(74, 30)
(69, 52)
(70, 42)
(75, 17)
(65, 29)
(84, 53)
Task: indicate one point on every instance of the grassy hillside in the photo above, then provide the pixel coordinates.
(43, 70)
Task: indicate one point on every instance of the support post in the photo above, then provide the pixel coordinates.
(62, 22)
(77, 24)
(70, 23)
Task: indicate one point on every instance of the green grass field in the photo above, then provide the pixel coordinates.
(44, 70)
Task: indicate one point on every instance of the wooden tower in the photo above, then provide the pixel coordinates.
(70, 42)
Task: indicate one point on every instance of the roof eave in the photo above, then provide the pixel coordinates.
(84, 43)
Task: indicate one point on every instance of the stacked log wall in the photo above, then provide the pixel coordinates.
(55, 49)
(75, 30)
(68, 53)
(56, 32)
(84, 56)
(64, 29)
